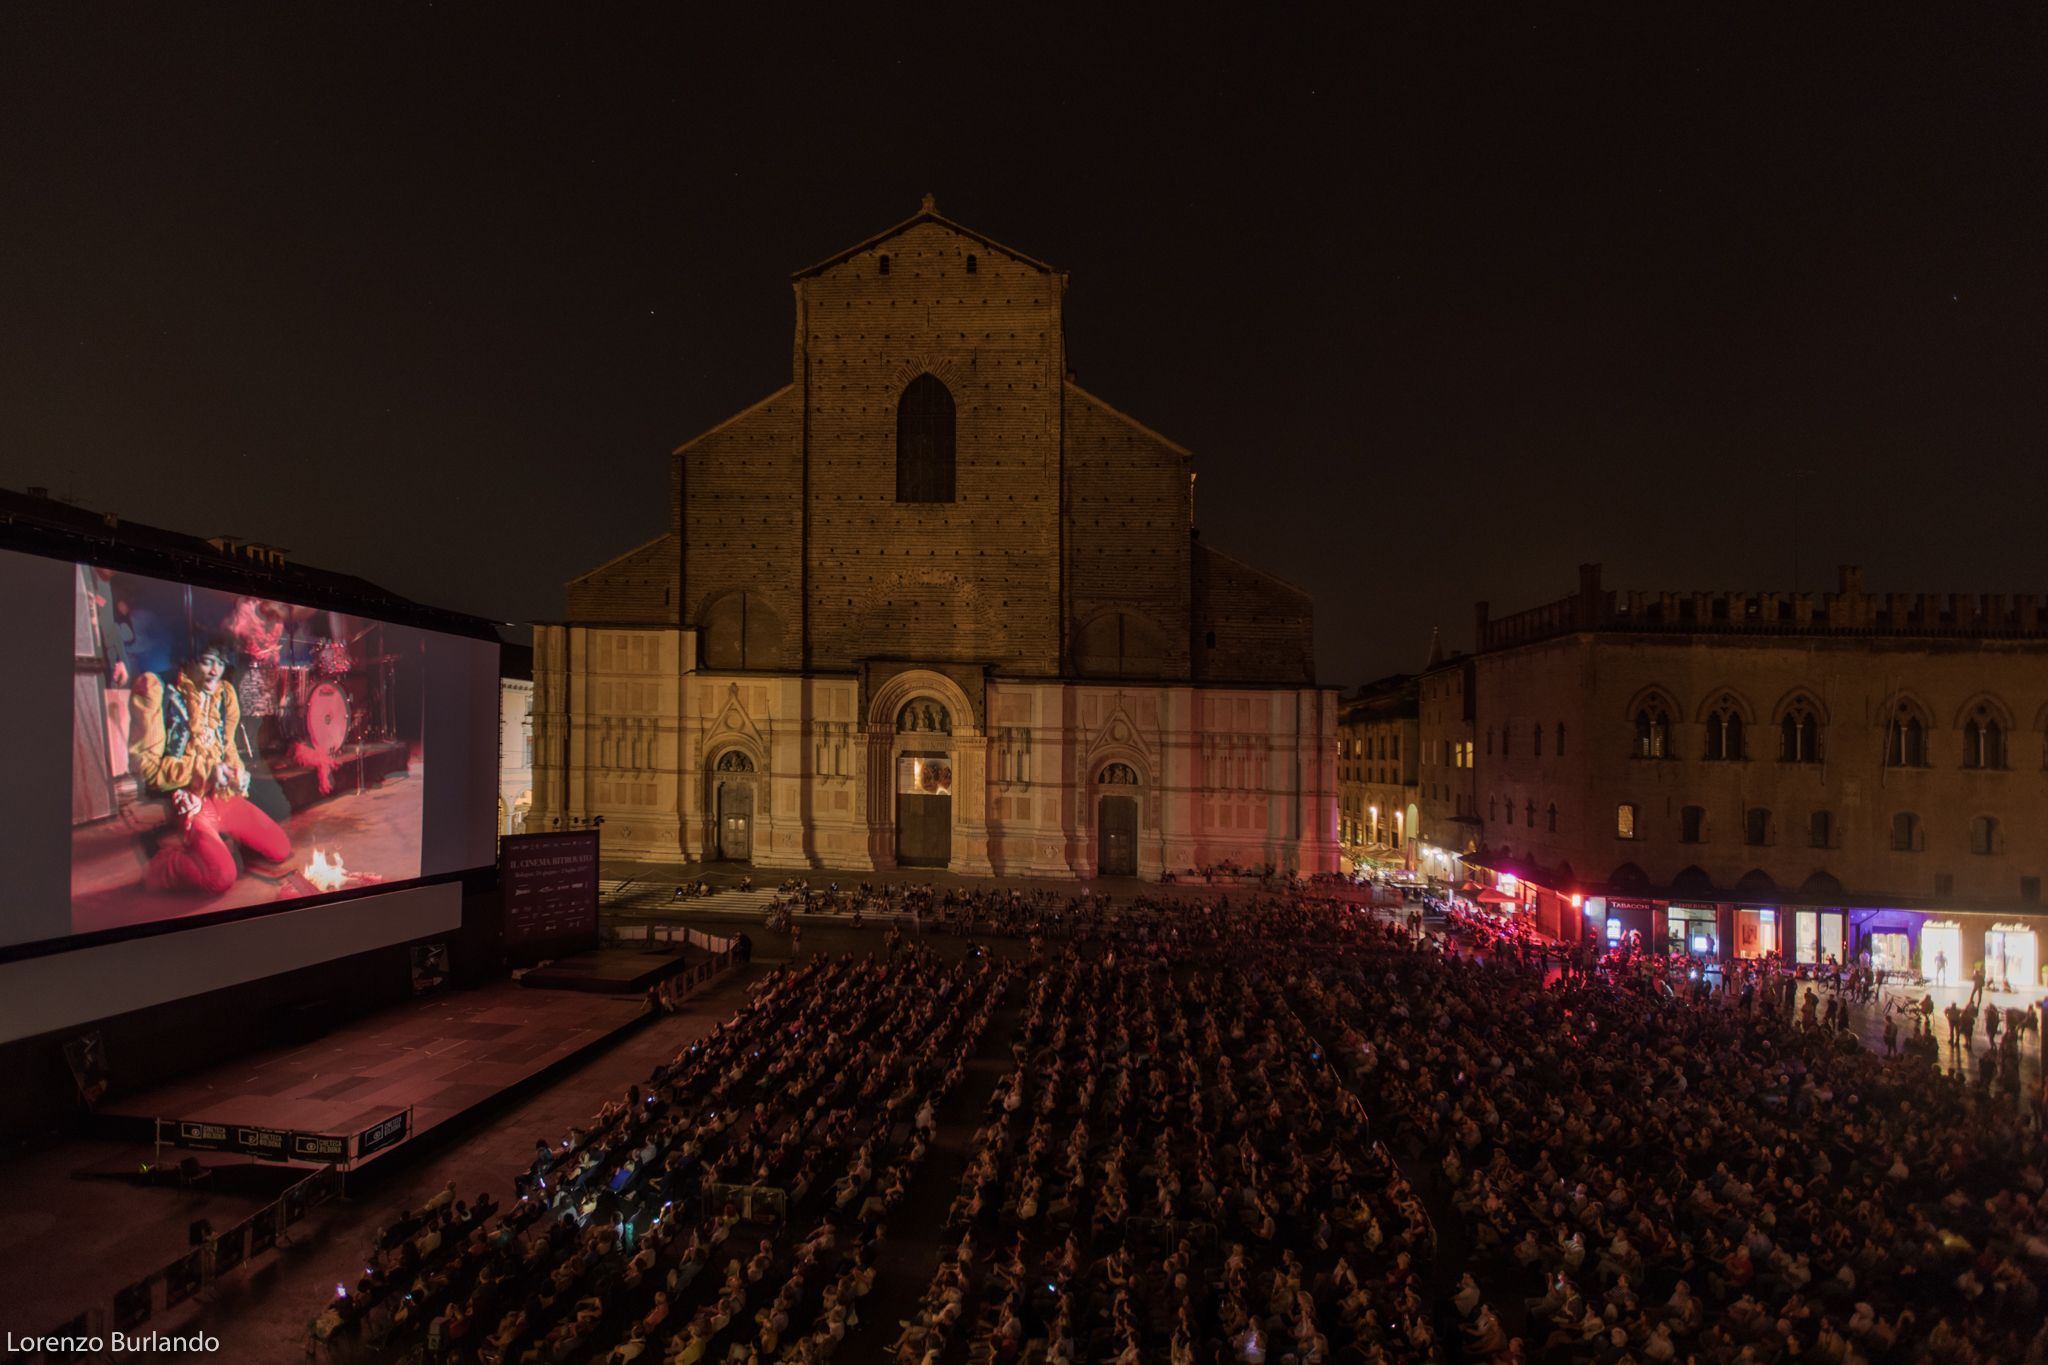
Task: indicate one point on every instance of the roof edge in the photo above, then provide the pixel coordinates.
(720, 425)
(927, 214)
(623, 557)
(1175, 446)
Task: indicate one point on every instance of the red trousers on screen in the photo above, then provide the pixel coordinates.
(203, 861)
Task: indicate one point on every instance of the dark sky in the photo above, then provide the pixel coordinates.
(427, 294)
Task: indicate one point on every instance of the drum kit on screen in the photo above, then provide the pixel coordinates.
(318, 692)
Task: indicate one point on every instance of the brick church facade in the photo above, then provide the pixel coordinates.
(931, 603)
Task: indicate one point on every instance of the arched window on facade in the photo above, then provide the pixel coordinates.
(1653, 730)
(924, 442)
(1984, 835)
(1625, 820)
(1799, 735)
(1906, 739)
(1905, 832)
(1692, 825)
(1820, 829)
(1530, 814)
(1756, 827)
(1983, 740)
(1724, 732)
(1552, 813)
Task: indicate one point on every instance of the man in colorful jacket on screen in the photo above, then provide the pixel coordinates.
(182, 743)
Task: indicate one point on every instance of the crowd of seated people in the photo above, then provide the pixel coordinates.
(817, 1097)
(1181, 1164)
(1652, 1175)
(1174, 1172)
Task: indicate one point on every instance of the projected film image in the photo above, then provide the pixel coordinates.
(230, 751)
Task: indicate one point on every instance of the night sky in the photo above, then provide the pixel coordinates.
(428, 295)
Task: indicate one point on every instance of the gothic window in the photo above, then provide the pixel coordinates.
(1756, 827)
(1118, 775)
(1530, 814)
(1984, 835)
(924, 716)
(1653, 730)
(1625, 820)
(1692, 825)
(1799, 735)
(1724, 732)
(1905, 832)
(1906, 741)
(734, 761)
(1553, 819)
(1820, 829)
(924, 442)
(1983, 740)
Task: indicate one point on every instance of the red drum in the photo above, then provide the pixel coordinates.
(326, 717)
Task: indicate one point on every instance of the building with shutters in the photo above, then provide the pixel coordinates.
(931, 603)
(1378, 749)
(1817, 774)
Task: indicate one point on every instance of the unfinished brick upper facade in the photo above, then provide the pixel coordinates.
(1055, 547)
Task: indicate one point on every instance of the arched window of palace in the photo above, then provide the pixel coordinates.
(1983, 740)
(1724, 731)
(924, 442)
(1799, 735)
(1906, 739)
(1653, 730)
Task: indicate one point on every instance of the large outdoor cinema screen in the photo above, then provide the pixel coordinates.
(225, 752)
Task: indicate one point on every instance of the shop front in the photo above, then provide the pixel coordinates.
(2012, 958)
(1628, 923)
(1941, 953)
(1890, 938)
(1818, 936)
(1694, 930)
(1756, 931)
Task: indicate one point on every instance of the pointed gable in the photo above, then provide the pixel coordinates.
(927, 214)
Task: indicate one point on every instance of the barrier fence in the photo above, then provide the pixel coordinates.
(189, 1275)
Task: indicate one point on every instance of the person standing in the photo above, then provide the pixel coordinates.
(182, 747)
(1940, 967)
(1976, 987)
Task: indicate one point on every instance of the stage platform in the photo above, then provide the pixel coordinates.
(439, 1056)
(625, 970)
